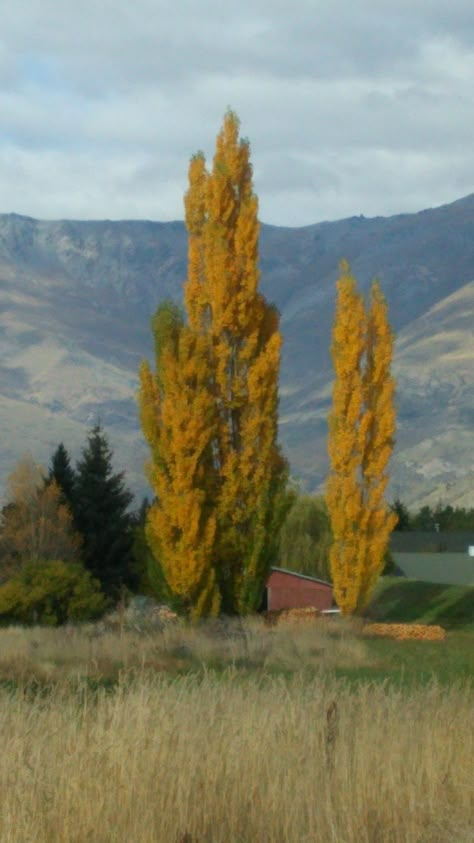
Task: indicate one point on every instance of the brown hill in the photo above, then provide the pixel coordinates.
(76, 300)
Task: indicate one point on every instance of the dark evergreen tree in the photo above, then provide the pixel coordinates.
(139, 516)
(403, 515)
(62, 471)
(424, 520)
(101, 502)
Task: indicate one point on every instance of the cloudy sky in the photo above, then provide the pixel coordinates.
(350, 108)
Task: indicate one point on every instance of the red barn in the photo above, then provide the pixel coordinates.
(289, 590)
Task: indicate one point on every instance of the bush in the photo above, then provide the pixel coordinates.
(51, 593)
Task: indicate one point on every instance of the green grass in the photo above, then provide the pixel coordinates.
(407, 663)
(400, 600)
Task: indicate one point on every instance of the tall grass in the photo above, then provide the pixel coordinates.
(227, 757)
(99, 652)
(221, 761)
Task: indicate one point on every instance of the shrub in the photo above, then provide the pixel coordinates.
(51, 593)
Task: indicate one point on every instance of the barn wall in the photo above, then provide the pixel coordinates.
(285, 591)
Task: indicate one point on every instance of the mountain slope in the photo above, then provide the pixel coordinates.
(75, 306)
(434, 365)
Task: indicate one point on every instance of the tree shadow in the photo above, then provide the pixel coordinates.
(405, 601)
(458, 613)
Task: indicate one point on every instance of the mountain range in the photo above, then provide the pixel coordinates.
(76, 300)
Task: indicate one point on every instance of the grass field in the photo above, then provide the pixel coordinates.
(400, 599)
(334, 648)
(293, 734)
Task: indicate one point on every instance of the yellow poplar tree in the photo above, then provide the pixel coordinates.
(242, 483)
(360, 442)
(379, 392)
(177, 415)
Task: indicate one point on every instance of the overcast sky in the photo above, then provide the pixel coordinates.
(351, 108)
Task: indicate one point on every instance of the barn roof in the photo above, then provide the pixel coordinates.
(302, 576)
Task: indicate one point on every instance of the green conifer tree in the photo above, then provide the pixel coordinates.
(101, 516)
(62, 471)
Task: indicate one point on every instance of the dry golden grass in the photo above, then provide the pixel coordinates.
(227, 759)
(96, 652)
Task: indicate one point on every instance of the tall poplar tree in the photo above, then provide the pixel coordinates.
(379, 390)
(178, 420)
(225, 360)
(360, 442)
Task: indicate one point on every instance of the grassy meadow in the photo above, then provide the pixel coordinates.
(293, 734)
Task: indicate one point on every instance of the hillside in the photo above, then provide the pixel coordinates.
(76, 300)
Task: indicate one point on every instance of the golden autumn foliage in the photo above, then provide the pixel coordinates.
(178, 421)
(360, 442)
(209, 412)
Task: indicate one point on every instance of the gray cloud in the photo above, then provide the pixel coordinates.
(349, 110)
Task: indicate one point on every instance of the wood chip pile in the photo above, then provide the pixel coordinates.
(405, 631)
